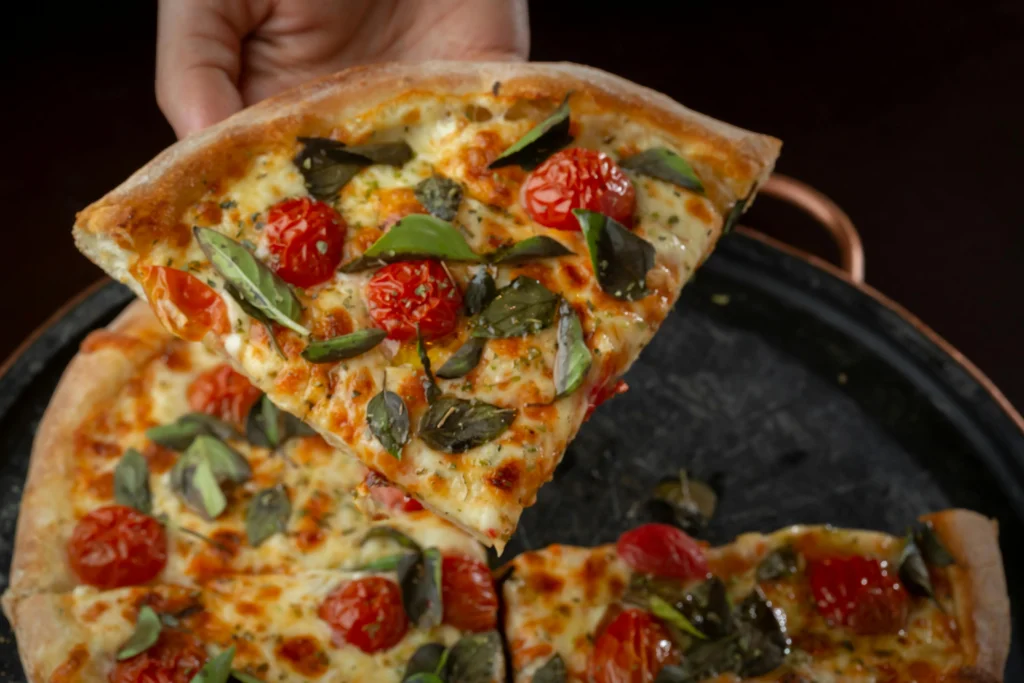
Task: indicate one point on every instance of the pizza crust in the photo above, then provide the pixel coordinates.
(49, 636)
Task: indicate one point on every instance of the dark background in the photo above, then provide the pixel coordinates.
(909, 114)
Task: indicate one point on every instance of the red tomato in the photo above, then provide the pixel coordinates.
(662, 550)
(223, 393)
(602, 393)
(577, 178)
(117, 546)
(306, 236)
(175, 658)
(467, 591)
(403, 295)
(633, 648)
(184, 304)
(367, 613)
(859, 592)
(389, 495)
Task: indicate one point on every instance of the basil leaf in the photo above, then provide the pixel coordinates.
(913, 571)
(345, 346)
(131, 482)
(455, 425)
(327, 165)
(777, 564)
(737, 210)
(706, 606)
(430, 388)
(267, 426)
(931, 547)
(201, 491)
(381, 564)
(226, 464)
(417, 236)
(691, 502)
(664, 164)
(476, 658)
(440, 196)
(388, 419)
(424, 677)
(540, 142)
(180, 434)
(428, 659)
(764, 643)
(256, 315)
(553, 671)
(216, 669)
(536, 247)
(572, 359)
(267, 514)
(465, 358)
(479, 292)
(670, 614)
(145, 635)
(620, 258)
(250, 280)
(390, 534)
(523, 307)
(243, 677)
(419, 575)
(198, 472)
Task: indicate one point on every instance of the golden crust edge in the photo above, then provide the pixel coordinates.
(46, 635)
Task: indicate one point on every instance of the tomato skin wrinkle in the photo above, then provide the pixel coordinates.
(223, 393)
(662, 550)
(632, 648)
(468, 594)
(366, 613)
(861, 593)
(201, 306)
(175, 658)
(404, 295)
(117, 546)
(306, 237)
(578, 178)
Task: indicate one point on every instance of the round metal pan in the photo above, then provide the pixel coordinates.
(800, 393)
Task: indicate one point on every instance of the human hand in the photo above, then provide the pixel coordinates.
(215, 57)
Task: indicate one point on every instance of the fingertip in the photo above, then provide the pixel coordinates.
(201, 97)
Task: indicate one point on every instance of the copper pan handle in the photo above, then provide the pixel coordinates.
(828, 214)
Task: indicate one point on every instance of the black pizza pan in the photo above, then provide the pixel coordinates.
(802, 394)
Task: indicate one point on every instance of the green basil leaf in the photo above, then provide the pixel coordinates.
(388, 419)
(572, 359)
(737, 210)
(145, 635)
(620, 258)
(441, 196)
(251, 280)
(675, 674)
(256, 315)
(131, 482)
(532, 248)
(424, 677)
(664, 164)
(381, 564)
(201, 491)
(670, 614)
(198, 472)
(267, 426)
(226, 464)
(691, 502)
(465, 358)
(913, 571)
(216, 669)
(180, 434)
(778, 564)
(390, 534)
(476, 658)
(553, 671)
(479, 292)
(931, 547)
(345, 346)
(327, 165)
(267, 514)
(764, 642)
(706, 605)
(523, 307)
(456, 425)
(540, 142)
(417, 236)
(243, 677)
(428, 659)
(430, 388)
(419, 576)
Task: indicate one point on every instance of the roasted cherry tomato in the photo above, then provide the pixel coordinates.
(366, 613)
(578, 178)
(307, 237)
(390, 496)
(602, 393)
(176, 657)
(117, 546)
(467, 591)
(184, 304)
(662, 550)
(403, 295)
(633, 648)
(223, 393)
(861, 593)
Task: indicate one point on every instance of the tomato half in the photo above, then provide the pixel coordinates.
(185, 305)
(366, 613)
(223, 393)
(390, 496)
(117, 546)
(578, 178)
(861, 593)
(176, 657)
(467, 592)
(403, 295)
(306, 237)
(662, 550)
(601, 393)
(633, 648)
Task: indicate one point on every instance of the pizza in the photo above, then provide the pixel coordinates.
(442, 267)
(804, 604)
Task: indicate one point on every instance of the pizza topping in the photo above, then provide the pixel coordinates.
(931, 547)
(778, 564)
(180, 434)
(117, 546)
(859, 593)
(419, 575)
(145, 635)
(736, 212)
(366, 613)
(177, 657)
(251, 282)
(572, 358)
(662, 550)
(465, 358)
(327, 165)
(602, 392)
(306, 237)
(388, 419)
(632, 648)
(553, 671)
(441, 196)
(536, 247)
(346, 346)
(243, 677)
(474, 658)
(267, 514)
(267, 426)
(670, 615)
(455, 425)
(416, 294)
(428, 660)
(224, 394)
(578, 179)
(540, 142)
(217, 669)
(391, 534)
(620, 259)
(413, 238)
(467, 589)
(200, 471)
(131, 482)
(690, 503)
(389, 495)
(184, 304)
(480, 291)
(664, 164)
(523, 307)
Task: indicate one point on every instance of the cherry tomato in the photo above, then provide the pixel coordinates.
(467, 591)
(602, 393)
(390, 496)
(367, 613)
(306, 236)
(117, 546)
(175, 658)
(577, 178)
(223, 393)
(633, 648)
(662, 550)
(403, 295)
(861, 593)
(184, 304)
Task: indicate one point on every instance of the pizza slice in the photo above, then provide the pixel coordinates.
(802, 604)
(441, 267)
